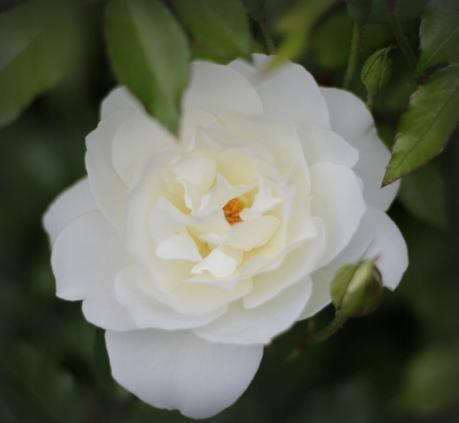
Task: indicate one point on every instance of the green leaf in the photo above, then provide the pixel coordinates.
(431, 380)
(337, 29)
(220, 26)
(34, 53)
(423, 194)
(296, 27)
(426, 126)
(376, 70)
(439, 34)
(149, 55)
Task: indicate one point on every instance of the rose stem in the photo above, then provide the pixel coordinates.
(269, 44)
(354, 53)
(399, 35)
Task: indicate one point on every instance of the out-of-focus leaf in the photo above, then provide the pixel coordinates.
(296, 27)
(219, 26)
(376, 70)
(431, 380)
(149, 54)
(35, 49)
(422, 193)
(404, 10)
(255, 8)
(359, 9)
(34, 388)
(439, 33)
(424, 129)
(337, 30)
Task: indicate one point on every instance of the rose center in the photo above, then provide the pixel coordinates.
(232, 210)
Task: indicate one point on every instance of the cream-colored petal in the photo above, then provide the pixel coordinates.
(217, 87)
(261, 324)
(179, 247)
(220, 263)
(253, 233)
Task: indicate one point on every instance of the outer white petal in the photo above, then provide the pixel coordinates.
(106, 312)
(260, 324)
(374, 157)
(325, 145)
(135, 142)
(72, 203)
(85, 259)
(389, 249)
(85, 255)
(288, 92)
(177, 370)
(377, 237)
(219, 88)
(108, 189)
(337, 198)
(132, 291)
(119, 100)
(351, 119)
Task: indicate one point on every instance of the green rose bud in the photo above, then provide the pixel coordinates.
(357, 289)
(376, 70)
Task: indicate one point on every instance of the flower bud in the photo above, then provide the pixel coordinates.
(357, 289)
(377, 70)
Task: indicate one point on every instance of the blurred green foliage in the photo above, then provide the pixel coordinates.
(401, 364)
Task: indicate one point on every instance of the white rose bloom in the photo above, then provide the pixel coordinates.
(194, 252)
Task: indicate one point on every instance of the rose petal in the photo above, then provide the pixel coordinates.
(296, 265)
(180, 371)
(119, 100)
(219, 88)
(337, 198)
(324, 145)
(351, 119)
(258, 325)
(253, 233)
(85, 256)
(108, 189)
(133, 292)
(136, 140)
(220, 263)
(289, 92)
(377, 237)
(179, 247)
(72, 203)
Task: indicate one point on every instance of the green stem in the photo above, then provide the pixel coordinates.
(316, 338)
(370, 100)
(400, 36)
(354, 53)
(334, 326)
(269, 44)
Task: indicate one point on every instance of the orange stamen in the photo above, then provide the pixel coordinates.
(233, 209)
